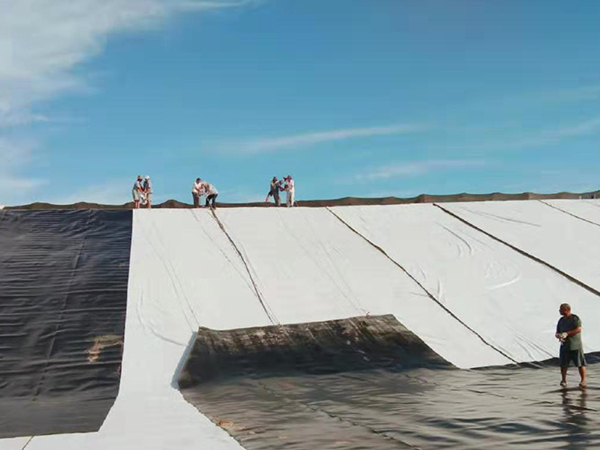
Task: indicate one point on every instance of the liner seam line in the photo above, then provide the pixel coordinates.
(429, 294)
(523, 252)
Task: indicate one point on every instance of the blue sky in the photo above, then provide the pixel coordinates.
(351, 97)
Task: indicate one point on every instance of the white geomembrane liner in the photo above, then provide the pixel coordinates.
(553, 236)
(308, 266)
(585, 209)
(14, 443)
(511, 300)
(183, 273)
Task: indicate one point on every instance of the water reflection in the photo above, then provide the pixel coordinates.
(369, 383)
(575, 418)
(497, 408)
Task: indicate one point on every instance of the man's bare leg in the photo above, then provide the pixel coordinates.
(563, 372)
(583, 375)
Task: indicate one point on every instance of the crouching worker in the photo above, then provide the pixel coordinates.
(211, 194)
(568, 332)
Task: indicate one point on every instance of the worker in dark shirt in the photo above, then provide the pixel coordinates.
(568, 331)
(274, 189)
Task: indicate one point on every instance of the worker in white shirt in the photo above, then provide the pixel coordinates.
(211, 194)
(137, 192)
(291, 191)
(196, 192)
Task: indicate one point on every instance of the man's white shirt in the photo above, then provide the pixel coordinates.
(208, 189)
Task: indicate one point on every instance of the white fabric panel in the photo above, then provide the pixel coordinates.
(183, 273)
(511, 300)
(567, 243)
(310, 267)
(586, 209)
(13, 443)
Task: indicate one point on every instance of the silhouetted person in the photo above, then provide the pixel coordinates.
(274, 189)
(148, 191)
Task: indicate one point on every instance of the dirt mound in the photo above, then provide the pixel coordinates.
(345, 201)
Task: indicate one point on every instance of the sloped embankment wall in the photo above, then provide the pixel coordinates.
(63, 297)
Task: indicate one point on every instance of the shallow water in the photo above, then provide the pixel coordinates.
(494, 408)
(370, 383)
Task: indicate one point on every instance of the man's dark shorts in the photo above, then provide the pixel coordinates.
(577, 356)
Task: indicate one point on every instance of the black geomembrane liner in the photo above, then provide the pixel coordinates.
(63, 298)
(369, 383)
(358, 343)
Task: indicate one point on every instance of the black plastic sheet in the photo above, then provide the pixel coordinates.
(358, 343)
(63, 297)
(366, 389)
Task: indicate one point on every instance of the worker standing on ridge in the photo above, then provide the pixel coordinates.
(274, 189)
(148, 191)
(137, 192)
(568, 331)
(196, 192)
(211, 194)
(291, 191)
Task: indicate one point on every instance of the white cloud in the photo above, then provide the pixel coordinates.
(42, 43)
(16, 187)
(587, 127)
(414, 168)
(390, 193)
(530, 140)
(241, 194)
(557, 135)
(214, 5)
(14, 155)
(112, 192)
(269, 144)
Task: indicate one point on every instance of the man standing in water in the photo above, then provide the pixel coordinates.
(568, 331)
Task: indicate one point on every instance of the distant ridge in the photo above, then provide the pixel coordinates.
(345, 201)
